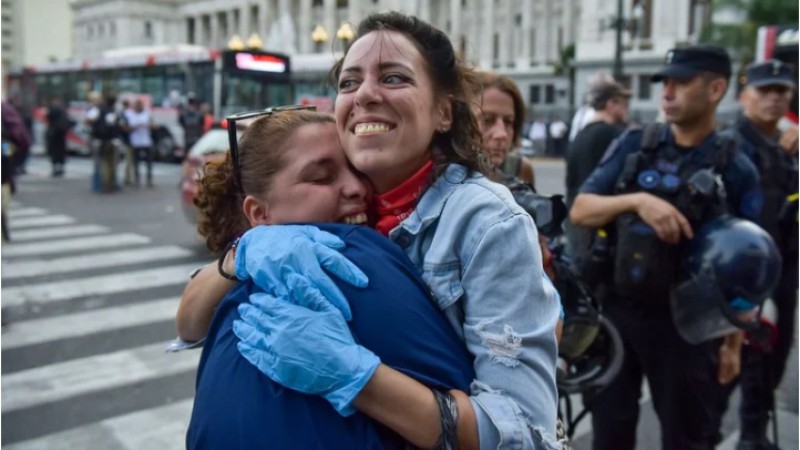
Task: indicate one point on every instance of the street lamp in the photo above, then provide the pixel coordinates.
(620, 23)
(319, 36)
(235, 43)
(345, 34)
(254, 42)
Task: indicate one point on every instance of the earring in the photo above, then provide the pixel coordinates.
(443, 130)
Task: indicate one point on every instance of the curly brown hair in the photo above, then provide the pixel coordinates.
(451, 77)
(262, 150)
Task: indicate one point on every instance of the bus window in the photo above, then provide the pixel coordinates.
(279, 94)
(129, 80)
(174, 79)
(153, 84)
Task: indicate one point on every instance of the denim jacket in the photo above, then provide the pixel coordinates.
(478, 252)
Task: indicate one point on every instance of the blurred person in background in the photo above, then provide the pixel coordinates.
(125, 133)
(58, 124)
(140, 140)
(20, 158)
(557, 131)
(92, 113)
(192, 121)
(765, 100)
(15, 138)
(208, 117)
(500, 115)
(106, 132)
(610, 103)
(585, 113)
(537, 134)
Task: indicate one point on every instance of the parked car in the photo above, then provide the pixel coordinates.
(212, 146)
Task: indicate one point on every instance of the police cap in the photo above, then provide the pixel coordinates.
(686, 62)
(770, 73)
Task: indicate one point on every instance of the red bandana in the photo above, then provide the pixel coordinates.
(394, 206)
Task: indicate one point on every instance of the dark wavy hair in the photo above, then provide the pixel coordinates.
(451, 77)
(262, 150)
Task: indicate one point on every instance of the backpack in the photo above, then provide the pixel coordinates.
(107, 126)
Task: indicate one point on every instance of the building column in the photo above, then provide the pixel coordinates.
(683, 12)
(199, 30)
(425, 10)
(455, 24)
(567, 23)
(354, 13)
(263, 21)
(550, 30)
(243, 27)
(487, 35)
(213, 20)
(410, 7)
(330, 23)
(283, 8)
(541, 46)
(305, 27)
(505, 34)
(524, 58)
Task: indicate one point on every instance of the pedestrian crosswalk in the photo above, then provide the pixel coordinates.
(87, 312)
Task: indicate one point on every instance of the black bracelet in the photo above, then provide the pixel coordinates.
(448, 414)
(221, 260)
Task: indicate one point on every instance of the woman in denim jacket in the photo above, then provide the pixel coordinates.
(403, 115)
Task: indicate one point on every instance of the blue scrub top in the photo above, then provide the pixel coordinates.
(237, 407)
(741, 180)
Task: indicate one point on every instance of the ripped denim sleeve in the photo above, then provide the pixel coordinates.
(510, 310)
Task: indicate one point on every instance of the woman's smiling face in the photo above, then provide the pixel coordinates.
(387, 111)
(316, 183)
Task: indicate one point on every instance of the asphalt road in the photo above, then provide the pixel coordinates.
(90, 284)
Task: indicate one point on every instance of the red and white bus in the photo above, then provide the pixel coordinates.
(229, 81)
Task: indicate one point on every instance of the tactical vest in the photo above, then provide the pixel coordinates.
(778, 173)
(644, 265)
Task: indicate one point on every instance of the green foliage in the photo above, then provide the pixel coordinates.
(565, 59)
(740, 38)
(773, 12)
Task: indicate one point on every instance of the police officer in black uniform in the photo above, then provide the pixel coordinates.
(653, 188)
(765, 99)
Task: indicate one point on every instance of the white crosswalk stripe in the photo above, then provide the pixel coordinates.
(53, 259)
(40, 221)
(44, 233)
(71, 245)
(26, 212)
(59, 381)
(39, 267)
(97, 285)
(162, 428)
(30, 332)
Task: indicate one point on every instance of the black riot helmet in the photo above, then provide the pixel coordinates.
(596, 366)
(590, 350)
(731, 268)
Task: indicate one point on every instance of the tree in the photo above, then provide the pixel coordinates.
(740, 37)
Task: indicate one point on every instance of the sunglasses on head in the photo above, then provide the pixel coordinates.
(248, 115)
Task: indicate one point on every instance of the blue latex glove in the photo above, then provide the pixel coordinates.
(270, 253)
(306, 347)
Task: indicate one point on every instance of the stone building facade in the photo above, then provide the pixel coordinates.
(530, 40)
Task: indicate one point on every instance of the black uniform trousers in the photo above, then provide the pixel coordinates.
(762, 371)
(682, 379)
